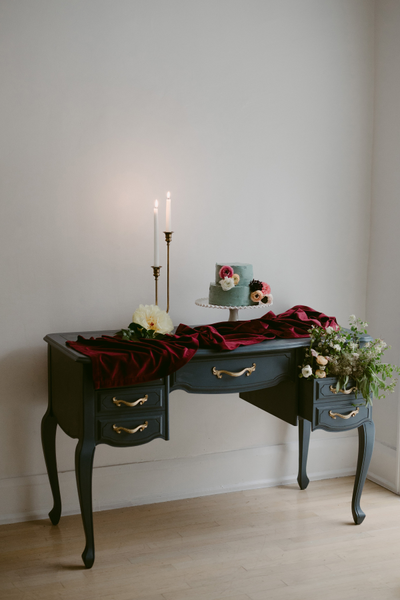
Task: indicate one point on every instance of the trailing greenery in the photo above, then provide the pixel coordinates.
(340, 353)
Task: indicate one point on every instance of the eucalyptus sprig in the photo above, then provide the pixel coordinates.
(342, 354)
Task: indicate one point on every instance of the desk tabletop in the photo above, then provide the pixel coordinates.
(59, 341)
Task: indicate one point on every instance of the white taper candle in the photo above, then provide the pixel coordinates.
(168, 213)
(156, 249)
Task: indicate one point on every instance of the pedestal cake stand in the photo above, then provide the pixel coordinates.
(233, 310)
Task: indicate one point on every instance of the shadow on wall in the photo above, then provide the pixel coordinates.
(23, 376)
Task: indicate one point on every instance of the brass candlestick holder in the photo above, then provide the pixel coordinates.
(168, 239)
(156, 273)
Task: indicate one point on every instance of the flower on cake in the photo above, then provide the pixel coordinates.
(260, 292)
(256, 284)
(236, 278)
(256, 296)
(226, 271)
(268, 299)
(227, 283)
(266, 289)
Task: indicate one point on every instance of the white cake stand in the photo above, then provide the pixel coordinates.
(233, 310)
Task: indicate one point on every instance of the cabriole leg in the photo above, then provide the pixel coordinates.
(304, 442)
(366, 436)
(84, 454)
(49, 427)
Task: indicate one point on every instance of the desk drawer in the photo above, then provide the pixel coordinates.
(226, 374)
(330, 411)
(133, 399)
(341, 417)
(122, 431)
(325, 389)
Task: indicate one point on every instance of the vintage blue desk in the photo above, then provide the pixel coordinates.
(265, 374)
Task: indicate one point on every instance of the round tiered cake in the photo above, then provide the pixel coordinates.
(234, 286)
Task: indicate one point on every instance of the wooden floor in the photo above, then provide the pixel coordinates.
(271, 544)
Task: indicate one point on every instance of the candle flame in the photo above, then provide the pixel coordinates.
(168, 195)
(156, 204)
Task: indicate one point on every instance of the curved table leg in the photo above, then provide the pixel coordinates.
(304, 442)
(49, 427)
(84, 454)
(366, 436)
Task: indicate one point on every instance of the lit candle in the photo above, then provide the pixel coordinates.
(156, 250)
(168, 215)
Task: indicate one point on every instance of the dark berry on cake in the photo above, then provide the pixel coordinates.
(255, 285)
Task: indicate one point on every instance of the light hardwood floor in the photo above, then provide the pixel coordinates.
(271, 544)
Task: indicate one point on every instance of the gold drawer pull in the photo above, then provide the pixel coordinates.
(349, 391)
(138, 428)
(140, 401)
(247, 370)
(352, 414)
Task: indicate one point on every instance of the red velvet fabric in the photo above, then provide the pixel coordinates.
(229, 335)
(118, 363)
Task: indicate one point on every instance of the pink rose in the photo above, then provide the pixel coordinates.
(226, 271)
(266, 289)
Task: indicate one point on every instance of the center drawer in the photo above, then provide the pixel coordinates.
(225, 374)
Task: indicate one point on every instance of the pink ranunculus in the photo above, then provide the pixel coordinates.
(226, 271)
(266, 289)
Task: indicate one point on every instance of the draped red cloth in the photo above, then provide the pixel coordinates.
(118, 363)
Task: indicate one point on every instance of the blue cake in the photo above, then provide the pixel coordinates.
(232, 285)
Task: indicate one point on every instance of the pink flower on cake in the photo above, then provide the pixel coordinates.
(226, 271)
(266, 289)
(256, 296)
(268, 299)
(236, 278)
(227, 283)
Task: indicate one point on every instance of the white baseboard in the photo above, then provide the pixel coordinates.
(29, 498)
(383, 467)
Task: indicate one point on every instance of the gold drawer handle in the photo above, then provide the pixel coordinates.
(352, 414)
(140, 401)
(138, 428)
(349, 391)
(247, 370)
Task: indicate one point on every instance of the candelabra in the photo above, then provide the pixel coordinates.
(156, 270)
(156, 273)
(168, 239)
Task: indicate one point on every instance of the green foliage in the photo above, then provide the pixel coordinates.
(340, 353)
(137, 332)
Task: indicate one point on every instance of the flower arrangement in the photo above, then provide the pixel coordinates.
(228, 278)
(340, 353)
(260, 292)
(148, 322)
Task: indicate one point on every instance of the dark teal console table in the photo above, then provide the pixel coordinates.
(265, 375)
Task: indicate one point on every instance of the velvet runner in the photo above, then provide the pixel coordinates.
(118, 363)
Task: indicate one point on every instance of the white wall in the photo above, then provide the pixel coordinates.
(383, 275)
(257, 115)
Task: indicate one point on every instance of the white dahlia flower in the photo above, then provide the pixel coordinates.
(152, 317)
